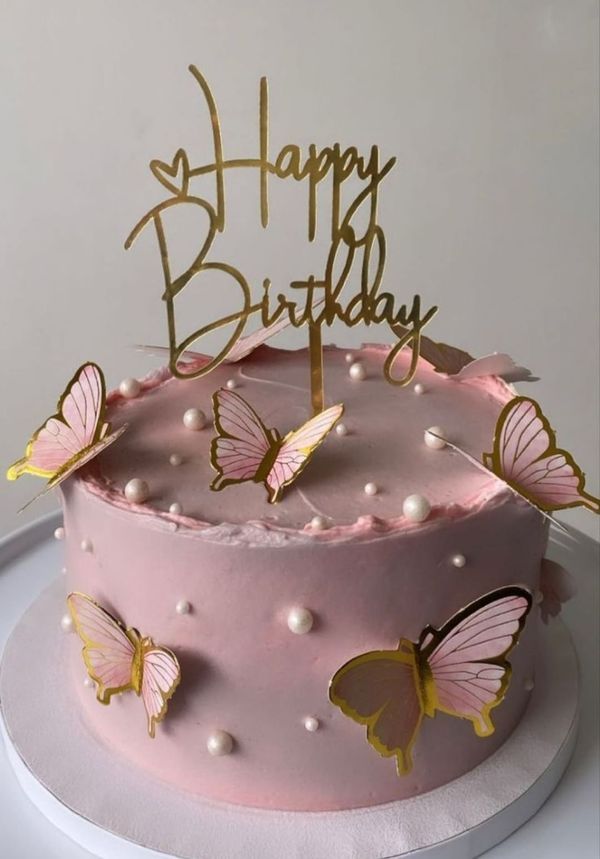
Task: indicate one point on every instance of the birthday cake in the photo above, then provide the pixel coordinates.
(307, 580)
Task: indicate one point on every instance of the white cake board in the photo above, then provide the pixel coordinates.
(117, 812)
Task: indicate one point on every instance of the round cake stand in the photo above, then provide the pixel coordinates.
(117, 811)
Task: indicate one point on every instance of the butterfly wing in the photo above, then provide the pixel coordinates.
(467, 673)
(297, 449)
(557, 587)
(108, 649)
(498, 364)
(160, 678)
(526, 456)
(74, 429)
(379, 689)
(242, 440)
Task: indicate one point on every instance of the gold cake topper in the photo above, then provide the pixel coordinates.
(323, 301)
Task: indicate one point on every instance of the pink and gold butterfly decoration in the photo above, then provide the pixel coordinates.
(245, 450)
(71, 437)
(460, 669)
(525, 456)
(121, 660)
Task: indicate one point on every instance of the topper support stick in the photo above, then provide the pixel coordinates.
(316, 368)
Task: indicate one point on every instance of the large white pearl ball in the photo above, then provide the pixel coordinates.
(318, 523)
(176, 509)
(371, 489)
(219, 743)
(175, 459)
(231, 384)
(87, 545)
(458, 560)
(341, 429)
(183, 607)
(59, 534)
(432, 440)
(419, 389)
(130, 388)
(194, 419)
(66, 623)
(416, 508)
(311, 724)
(300, 620)
(357, 371)
(137, 491)
(87, 681)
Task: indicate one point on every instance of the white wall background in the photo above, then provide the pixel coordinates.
(492, 210)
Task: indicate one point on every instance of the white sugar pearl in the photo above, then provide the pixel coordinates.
(341, 429)
(529, 684)
(357, 371)
(183, 607)
(458, 560)
(231, 384)
(318, 523)
(194, 419)
(371, 489)
(432, 440)
(64, 571)
(175, 459)
(137, 490)
(219, 743)
(59, 534)
(130, 388)
(419, 389)
(538, 597)
(416, 508)
(66, 623)
(300, 620)
(311, 724)
(87, 681)
(87, 545)
(175, 509)
(349, 358)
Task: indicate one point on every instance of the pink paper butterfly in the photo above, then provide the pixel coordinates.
(460, 669)
(71, 437)
(526, 458)
(245, 449)
(120, 660)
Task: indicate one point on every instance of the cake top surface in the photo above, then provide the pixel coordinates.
(383, 445)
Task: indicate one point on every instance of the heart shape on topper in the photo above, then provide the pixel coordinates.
(178, 170)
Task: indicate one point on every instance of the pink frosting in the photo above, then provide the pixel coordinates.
(243, 564)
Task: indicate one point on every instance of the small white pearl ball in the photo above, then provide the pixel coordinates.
(176, 509)
(318, 523)
(458, 560)
(231, 384)
(130, 388)
(538, 597)
(175, 459)
(59, 534)
(183, 607)
(66, 623)
(529, 684)
(416, 508)
(371, 489)
(64, 571)
(419, 389)
(87, 545)
(194, 419)
(341, 429)
(87, 681)
(432, 440)
(349, 358)
(300, 620)
(137, 490)
(357, 371)
(219, 743)
(311, 724)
